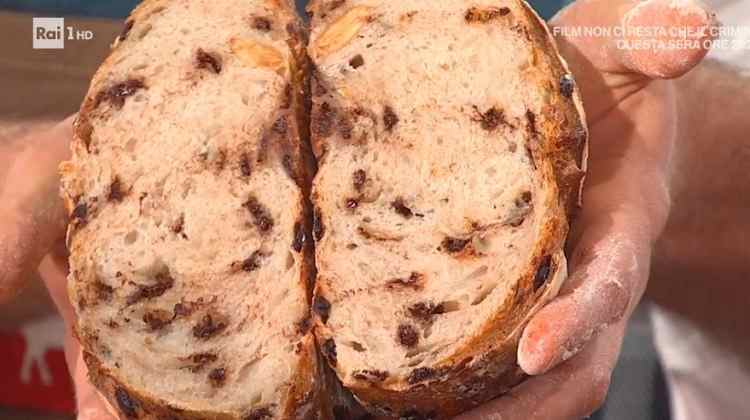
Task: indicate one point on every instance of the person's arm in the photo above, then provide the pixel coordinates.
(32, 217)
(701, 266)
(32, 225)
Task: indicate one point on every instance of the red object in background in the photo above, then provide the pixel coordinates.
(33, 373)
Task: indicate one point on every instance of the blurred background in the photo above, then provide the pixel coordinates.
(42, 86)
(120, 8)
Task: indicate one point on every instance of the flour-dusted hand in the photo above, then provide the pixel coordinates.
(632, 118)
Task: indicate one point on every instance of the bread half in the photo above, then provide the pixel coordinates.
(451, 147)
(190, 263)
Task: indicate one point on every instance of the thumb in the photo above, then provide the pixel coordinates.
(609, 276)
(617, 46)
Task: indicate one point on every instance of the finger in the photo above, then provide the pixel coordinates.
(647, 30)
(571, 391)
(54, 270)
(90, 404)
(32, 215)
(633, 41)
(626, 207)
(598, 294)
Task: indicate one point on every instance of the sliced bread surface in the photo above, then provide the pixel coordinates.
(190, 264)
(451, 148)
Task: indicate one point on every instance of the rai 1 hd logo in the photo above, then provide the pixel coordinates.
(51, 33)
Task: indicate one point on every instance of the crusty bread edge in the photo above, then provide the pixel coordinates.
(303, 402)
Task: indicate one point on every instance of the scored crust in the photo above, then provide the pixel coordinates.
(451, 144)
(190, 266)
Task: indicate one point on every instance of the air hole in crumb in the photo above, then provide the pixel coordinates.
(249, 370)
(479, 272)
(131, 237)
(130, 147)
(427, 332)
(415, 361)
(481, 244)
(451, 306)
(289, 261)
(146, 29)
(187, 186)
(483, 294)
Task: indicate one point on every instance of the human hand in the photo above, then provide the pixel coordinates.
(626, 206)
(632, 118)
(32, 226)
(32, 217)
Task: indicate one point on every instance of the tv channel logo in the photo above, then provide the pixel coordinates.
(49, 33)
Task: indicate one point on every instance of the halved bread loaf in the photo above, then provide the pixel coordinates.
(451, 148)
(189, 261)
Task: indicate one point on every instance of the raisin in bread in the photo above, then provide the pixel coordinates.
(451, 149)
(190, 268)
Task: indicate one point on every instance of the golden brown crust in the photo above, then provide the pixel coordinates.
(306, 391)
(134, 404)
(306, 399)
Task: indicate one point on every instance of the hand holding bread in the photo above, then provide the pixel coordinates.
(387, 125)
(572, 345)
